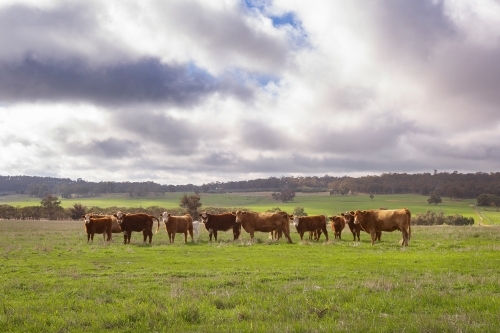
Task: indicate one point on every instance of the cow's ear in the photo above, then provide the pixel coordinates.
(342, 214)
(83, 216)
(200, 215)
(115, 215)
(244, 212)
(364, 212)
(351, 212)
(169, 215)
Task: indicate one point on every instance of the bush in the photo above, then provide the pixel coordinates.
(432, 218)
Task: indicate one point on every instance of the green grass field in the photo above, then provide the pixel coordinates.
(52, 280)
(320, 203)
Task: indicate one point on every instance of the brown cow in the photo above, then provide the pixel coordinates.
(136, 222)
(338, 224)
(373, 221)
(314, 224)
(115, 227)
(265, 222)
(178, 225)
(95, 225)
(222, 222)
(356, 228)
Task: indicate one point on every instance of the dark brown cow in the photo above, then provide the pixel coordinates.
(136, 222)
(338, 224)
(97, 225)
(356, 228)
(223, 222)
(314, 224)
(178, 225)
(373, 221)
(264, 222)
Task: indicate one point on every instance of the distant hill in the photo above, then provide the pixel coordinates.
(453, 185)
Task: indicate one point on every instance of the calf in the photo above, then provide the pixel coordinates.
(223, 222)
(373, 221)
(136, 222)
(265, 222)
(338, 224)
(314, 224)
(178, 225)
(97, 225)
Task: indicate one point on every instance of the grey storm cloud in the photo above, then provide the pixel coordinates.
(412, 28)
(174, 136)
(107, 148)
(146, 80)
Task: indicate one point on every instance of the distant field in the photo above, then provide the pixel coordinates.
(52, 280)
(317, 203)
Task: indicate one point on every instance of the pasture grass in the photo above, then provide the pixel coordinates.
(313, 203)
(52, 280)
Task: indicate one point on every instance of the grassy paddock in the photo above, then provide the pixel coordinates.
(51, 280)
(315, 203)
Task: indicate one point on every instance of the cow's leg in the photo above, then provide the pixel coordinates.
(173, 237)
(325, 232)
(210, 233)
(191, 234)
(287, 235)
(404, 241)
(185, 237)
(88, 238)
(124, 237)
(373, 234)
(150, 235)
(215, 234)
(92, 237)
(301, 235)
(251, 236)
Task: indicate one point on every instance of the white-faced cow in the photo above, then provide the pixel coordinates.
(178, 225)
(264, 222)
(314, 224)
(356, 228)
(373, 221)
(138, 223)
(97, 225)
(338, 224)
(220, 222)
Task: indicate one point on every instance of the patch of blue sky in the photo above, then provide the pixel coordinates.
(285, 19)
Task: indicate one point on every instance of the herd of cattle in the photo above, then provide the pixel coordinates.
(276, 224)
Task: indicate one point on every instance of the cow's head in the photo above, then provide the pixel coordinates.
(348, 217)
(164, 216)
(295, 220)
(119, 217)
(239, 215)
(359, 216)
(86, 218)
(204, 217)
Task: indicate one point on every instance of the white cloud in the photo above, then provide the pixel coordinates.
(197, 91)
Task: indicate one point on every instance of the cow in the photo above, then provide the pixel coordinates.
(115, 227)
(220, 222)
(373, 221)
(356, 228)
(196, 229)
(264, 222)
(314, 224)
(338, 224)
(97, 225)
(275, 235)
(136, 222)
(178, 225)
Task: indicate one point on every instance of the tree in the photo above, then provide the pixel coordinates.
(286, 195)
(299, 211)
(77, 211)
(191, 203)
(51, 206)
(434, 199)
(371, 196)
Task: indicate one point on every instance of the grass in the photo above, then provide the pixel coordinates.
(51, 280)
(314, 204)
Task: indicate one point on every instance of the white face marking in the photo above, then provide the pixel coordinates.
(87, 218)
(296, 221)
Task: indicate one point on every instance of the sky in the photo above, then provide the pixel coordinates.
(195, 91)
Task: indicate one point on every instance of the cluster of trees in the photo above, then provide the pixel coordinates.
(50, 209)
(488, 200)
(433, 218)
(452, 185)
(285, 195)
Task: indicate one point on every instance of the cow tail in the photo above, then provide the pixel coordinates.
(409, 223)
(157, 219)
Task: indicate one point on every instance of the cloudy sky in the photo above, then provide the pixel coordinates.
(196, 91)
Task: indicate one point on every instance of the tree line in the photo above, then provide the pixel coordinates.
(452, 185)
